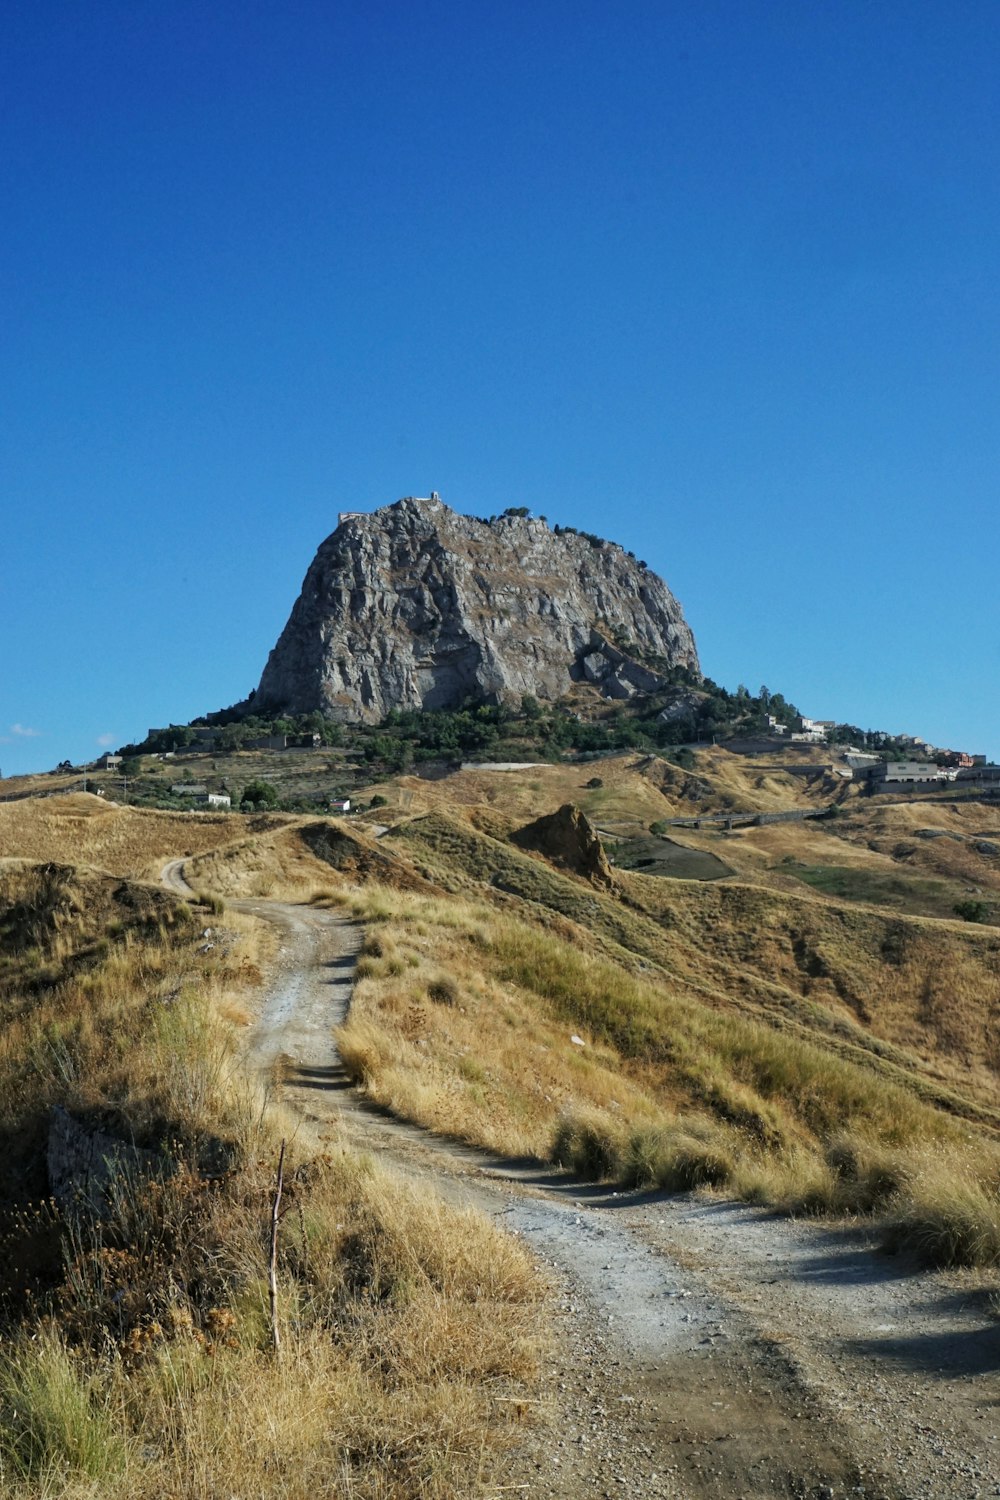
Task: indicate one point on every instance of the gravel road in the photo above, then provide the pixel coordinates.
(704, 1348)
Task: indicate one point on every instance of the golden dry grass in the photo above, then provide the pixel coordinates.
(301, 861)
(637, 789)
(463, 1019)
(410, 1341)
(133, 842)
(276, 865)
(799, 1051)
(899, 833)
(437, 1036)
(141, 1363)
(802, 963)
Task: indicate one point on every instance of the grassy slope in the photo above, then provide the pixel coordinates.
(912, 1003)
(89, 830)
(859, 981)
(136, 1358)
(801, 1050)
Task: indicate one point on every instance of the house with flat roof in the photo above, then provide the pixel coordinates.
(897, 773)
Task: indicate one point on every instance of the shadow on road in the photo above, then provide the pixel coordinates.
(936, 1354)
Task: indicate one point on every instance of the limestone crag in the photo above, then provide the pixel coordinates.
(415, 606)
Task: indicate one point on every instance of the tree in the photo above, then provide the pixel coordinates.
(258, 794)
(232, 736)
(972, 911)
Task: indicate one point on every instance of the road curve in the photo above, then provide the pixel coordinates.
(705, 1348)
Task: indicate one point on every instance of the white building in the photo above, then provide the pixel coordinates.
(903, 772)
(811, 731)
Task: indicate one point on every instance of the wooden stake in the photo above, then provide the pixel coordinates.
(273, 1261)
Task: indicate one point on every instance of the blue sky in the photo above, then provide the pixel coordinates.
(717, 279)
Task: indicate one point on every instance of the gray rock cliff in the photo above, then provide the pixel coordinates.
(415, 606)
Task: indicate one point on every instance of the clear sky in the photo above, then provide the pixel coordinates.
(717, 279)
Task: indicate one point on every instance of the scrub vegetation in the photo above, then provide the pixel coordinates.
(137, 1356)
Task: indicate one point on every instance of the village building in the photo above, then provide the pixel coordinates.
(898, 773)
(285, 742)
(202, 795)
(810, 731)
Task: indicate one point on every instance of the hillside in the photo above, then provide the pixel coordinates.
(139, 1354)
(859, 978)
(621, 967)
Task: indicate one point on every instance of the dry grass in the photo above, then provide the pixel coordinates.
(438, 1036)
(637, 789)
(302, 860)
(127, 841)
(801, 964)
(666, 1091)
(139, 1362)
(732, 1033)
(409, 1340)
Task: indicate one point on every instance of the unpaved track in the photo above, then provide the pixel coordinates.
(705, 1348)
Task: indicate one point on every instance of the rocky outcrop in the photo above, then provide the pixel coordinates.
(415, 606)
(83, 1162)
(568, 838)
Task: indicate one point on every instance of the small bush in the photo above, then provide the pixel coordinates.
(369, 967)
(946, 1221)
(972, 911)
(215, 904)
(52, 1418)
(867, 1177)
(443, 990)
(678, 1157)
(588, 1147)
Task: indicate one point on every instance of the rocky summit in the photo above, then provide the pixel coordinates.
(415, 606)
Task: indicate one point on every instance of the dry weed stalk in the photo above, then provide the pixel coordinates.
(272, 1262)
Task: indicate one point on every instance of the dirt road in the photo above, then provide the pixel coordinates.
(705, 1348)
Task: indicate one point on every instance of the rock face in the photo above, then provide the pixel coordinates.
(568, 838)
(415, 606)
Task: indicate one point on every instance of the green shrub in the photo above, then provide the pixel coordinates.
(52, 1417)
(972, 911)
(258, 794)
